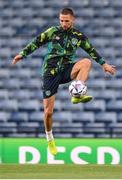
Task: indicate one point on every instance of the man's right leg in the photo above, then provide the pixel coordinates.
(48, 112)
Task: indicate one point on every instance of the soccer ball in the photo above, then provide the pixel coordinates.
(77, 89)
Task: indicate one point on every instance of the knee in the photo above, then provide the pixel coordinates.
(86, 63)
(47, 115)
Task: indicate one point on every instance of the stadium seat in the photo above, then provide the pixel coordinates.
(85, 135)
(94, 128)
(36, 116)
(7, 128)
(8, 105)
(55, 4)
(114, 105)
(33, 83)
(96, 106)
(106, 117)
(104, 135)
(18, 117)
(62, 135)
(4, 94)
(107, 95)
(86, 12)
(37, 4)
(118, 3)
(99, 4)
(19, 94)
(29, 128)
(64, 116)
(83, 117)
(114, 84)
(116, 130)
(4, 116)
(4, 73)
(20, 74)
(11, 83)
(28, 105)
(119, 117)
(21, 85)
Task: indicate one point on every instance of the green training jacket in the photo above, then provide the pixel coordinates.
(62, 46)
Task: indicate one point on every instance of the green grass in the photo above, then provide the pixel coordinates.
(60, 171)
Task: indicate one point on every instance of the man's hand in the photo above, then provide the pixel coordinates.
(16, 59)
(107, 68)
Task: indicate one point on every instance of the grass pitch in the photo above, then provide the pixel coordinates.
(60, 171)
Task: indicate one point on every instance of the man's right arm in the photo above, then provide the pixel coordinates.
(30, 48)
(43, 38)
(17, 58)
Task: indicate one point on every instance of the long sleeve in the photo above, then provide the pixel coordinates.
(86, 45)
(40, 40)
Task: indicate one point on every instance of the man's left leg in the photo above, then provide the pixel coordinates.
(48, 112)
(80, 71)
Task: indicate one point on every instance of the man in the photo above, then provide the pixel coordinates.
(58, 67)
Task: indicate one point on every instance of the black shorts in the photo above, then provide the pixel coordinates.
(52, 82)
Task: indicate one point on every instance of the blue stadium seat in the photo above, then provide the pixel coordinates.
(64, 116)
(29, 105)
(60, 135)
(7, 128)
(29, 128)
(21, 73)
(85, 12)
(106, 117)
(84, 135)
(104, 135)
(83, 117)
(4, 116)
(114, 84)
(96, 83)
(36, 116)
(96, 106)
(116, 3)
(55, 4)
(20, 94)
(3, 94)
(95, 128)
(116, 130)
(99, 4)
(33, 83)
(36, 94)
(18, 117)
(37, 4)
(68, 106)
(114, 105)
(21, 86)
(106, 94)
(11, 83)
(4, 73)
(105, 12)
(8, 105)
(119, 117)
(77, 4)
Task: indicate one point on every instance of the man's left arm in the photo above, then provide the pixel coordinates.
(87, 46)
(107, 68)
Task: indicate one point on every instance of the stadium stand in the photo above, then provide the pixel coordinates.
(21, 109)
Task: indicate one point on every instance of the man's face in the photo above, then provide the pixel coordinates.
(66, 21)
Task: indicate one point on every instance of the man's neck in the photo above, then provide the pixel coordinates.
(67, 30)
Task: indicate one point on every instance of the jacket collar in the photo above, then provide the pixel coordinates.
(68, 30)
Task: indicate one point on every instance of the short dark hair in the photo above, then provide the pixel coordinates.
(67, 11)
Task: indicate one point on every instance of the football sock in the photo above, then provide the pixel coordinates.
(49, 135)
